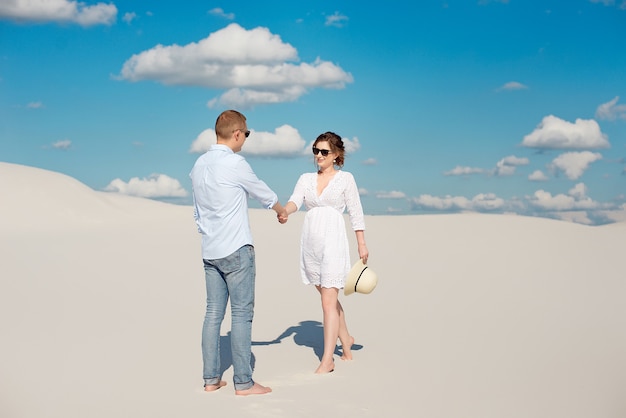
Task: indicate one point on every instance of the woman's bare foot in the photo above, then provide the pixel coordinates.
(347, 349)
(325, 367)
(214, 387)
(256, 389)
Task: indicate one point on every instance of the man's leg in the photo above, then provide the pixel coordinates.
(240, 281)
(216, 300)
(238, 270)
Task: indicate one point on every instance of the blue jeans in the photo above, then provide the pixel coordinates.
(232, 276)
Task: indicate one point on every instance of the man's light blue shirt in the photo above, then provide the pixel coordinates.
(221, 182)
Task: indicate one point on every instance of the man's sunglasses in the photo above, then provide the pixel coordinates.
(246, 133)
(324, 152)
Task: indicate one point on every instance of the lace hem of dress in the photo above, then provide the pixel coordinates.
(338, 284)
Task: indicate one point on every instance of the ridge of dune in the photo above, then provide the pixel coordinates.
(36, 198)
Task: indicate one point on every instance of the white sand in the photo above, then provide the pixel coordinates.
(102, 301)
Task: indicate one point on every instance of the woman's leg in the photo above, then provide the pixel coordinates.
(331, 327)
(344, 336)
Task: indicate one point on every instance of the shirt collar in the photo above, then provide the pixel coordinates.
(221, 147)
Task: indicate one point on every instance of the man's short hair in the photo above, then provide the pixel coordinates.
(228, 122)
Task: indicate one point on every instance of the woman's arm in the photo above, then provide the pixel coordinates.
(297, 197)
(360, 240)
(290, 207)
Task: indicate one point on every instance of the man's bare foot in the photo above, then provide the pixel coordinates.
(214, 387)
(325, 367)
(256, 389)
(347, 350)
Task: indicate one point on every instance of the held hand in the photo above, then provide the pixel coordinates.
(282, 216)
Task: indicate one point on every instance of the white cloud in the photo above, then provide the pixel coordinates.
(579, 191)
(480, 202)
(512, 160)
(504, 167)
(504, 170)
(507, 165)
(463, 171)
(537, 175)
(391, 210)
(284, 141)
(336, 20)
(254, 66)
(573, 206)
(363, 191)
(512, 85)
(351, 145)
(129, 17)
(203, 141)
(427, 201)
(59, 11)
(35, 105)
(555, 133)
(218, 11)
(611, 110)
(156, 185)
(574, 164)
(245, 98)
(576, 199)
(577, 216)
(394, 194)
(487, 201)
(63, 144)
(370, 161)
(616, 215)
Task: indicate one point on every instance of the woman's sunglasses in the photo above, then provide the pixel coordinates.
(324, 152)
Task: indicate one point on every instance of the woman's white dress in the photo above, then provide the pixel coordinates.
(324, 250)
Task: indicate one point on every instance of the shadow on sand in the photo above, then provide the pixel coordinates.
(309, 334)
(306, 333)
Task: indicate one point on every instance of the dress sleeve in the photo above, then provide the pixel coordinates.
(297, 197)
(353, 204)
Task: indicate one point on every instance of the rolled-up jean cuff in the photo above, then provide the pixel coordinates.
(211, 382)
(244, 386)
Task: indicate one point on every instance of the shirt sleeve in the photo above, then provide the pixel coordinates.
(256, 188)
(196, 215)
(353, 204)
(297, 197)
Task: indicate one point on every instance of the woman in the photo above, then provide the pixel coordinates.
(325, 257)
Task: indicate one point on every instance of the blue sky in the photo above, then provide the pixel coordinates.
(445, 106)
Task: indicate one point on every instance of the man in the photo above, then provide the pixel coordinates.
(221, 182)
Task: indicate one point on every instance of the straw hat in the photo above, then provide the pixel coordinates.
(361, 279)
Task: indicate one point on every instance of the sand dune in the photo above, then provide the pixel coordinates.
(102, 301)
